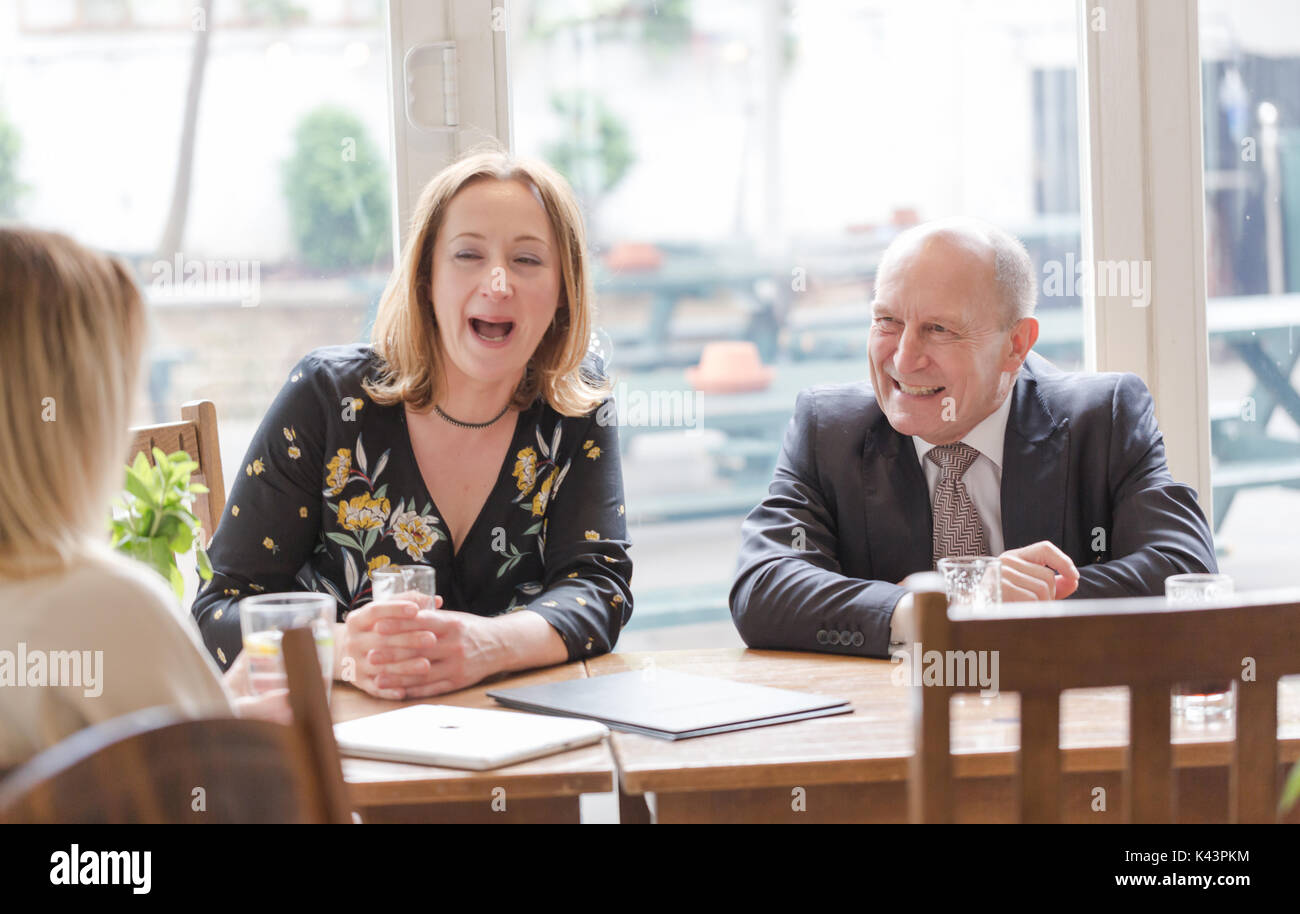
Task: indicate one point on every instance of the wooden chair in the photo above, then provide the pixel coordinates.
(149, 766)
(196, 434)
(1144, 644)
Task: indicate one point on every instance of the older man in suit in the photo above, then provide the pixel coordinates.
(964, 443)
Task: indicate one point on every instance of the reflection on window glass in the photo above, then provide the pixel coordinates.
(743, 166)
(238, 161)
(1250, 73)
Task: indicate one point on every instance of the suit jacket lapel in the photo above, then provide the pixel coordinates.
(898, 504)
(1034, 468)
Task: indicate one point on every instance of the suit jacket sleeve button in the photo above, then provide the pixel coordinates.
(833, 636)
(858, 639)
(821, 636)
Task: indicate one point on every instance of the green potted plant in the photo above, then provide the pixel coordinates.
(154, 522)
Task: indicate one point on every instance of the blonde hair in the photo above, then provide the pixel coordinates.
(405, 334)
(74, 332)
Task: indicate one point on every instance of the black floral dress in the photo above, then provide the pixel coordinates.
(330, 491)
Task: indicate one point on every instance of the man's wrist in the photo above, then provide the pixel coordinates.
(900, 621)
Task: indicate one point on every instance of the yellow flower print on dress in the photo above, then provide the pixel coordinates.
(413, 533)
(302, 512)
(542, 497)
(379, 561)
(337, 470)
(593, 453)
(234, 510)
(592, 535)
(270, 544)
(525, 471)
(363, 512)
(256, 468)
(289, 433)
(295, 453)
(258, 587)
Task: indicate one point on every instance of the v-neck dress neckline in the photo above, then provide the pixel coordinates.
(502, 474)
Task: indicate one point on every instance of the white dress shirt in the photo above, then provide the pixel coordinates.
(983, 483)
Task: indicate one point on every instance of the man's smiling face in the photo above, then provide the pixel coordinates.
(943, 345)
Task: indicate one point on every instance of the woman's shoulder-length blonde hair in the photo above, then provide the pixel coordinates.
(405, 335)
(75, 329)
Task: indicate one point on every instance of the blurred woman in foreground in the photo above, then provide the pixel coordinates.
(85, 634)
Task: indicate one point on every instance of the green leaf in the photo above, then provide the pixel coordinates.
(344, 540)
(182, 541)
(370, 540)
(1291, 792)
(138, 487)
(204, 563)
(533, 529)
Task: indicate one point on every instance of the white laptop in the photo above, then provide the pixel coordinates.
(462, 737)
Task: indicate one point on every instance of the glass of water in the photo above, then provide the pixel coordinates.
(263, 620)
(404, 582)
(973, 582)
(1200, 702)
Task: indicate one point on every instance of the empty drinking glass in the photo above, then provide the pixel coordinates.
(973, 582)
(1200, 702)
(405, 582)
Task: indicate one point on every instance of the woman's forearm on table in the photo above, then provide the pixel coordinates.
(524, 640)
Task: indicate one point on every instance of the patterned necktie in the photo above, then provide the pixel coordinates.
(957, 527)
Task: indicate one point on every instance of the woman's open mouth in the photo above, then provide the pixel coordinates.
(492, 332)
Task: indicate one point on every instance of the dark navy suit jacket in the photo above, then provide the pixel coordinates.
(848, 515)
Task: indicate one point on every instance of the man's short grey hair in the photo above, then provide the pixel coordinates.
(1013, 270)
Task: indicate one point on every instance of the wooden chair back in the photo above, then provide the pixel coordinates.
(153, 766)
(196, 434)
(1142, 643)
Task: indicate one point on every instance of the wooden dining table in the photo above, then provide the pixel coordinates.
(542, 790)
(845, 768)
(853, 767)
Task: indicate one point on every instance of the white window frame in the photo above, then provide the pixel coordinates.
(1144, 200)
(482, 100)
(1142, 197)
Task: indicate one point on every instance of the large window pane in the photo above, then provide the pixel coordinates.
(743, 166)
(276, 237)
(1250, 66)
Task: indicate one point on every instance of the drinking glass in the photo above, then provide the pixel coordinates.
(1200, 702)
(404, 582)
(263, 620)
(973, 582)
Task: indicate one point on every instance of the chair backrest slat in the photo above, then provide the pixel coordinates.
(1149, 786)
(1040, 757)
(196, 435)
(1252, 784)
